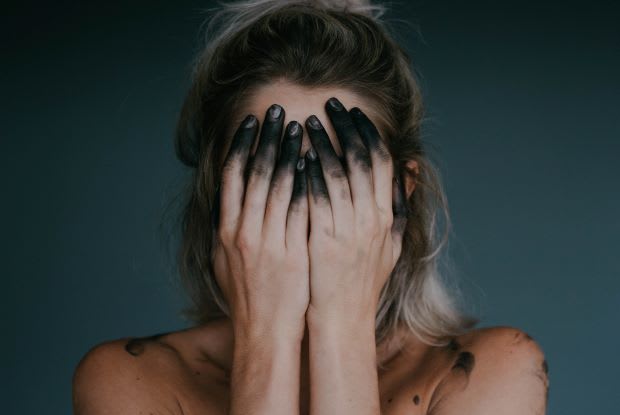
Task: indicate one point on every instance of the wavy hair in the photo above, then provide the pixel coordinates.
(343, 44)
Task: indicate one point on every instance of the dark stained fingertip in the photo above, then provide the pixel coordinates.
(369, 133)
(313, 122)
(353, 145)
(275, 111)
(314, 172)
(293, 129)
(244, 136)
(265, 156)
(249, 121)
(301, 163)
(311, 154)
(299, 185)
(335, 104)
(289, 154)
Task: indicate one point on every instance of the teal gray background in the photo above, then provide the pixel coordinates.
(523, 120)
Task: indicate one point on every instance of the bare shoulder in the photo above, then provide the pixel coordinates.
(139, 375)
(492, 370)
(125, 376)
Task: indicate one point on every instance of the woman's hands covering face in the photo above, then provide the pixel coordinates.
(261, 256)
(269, 269)
(357, 216)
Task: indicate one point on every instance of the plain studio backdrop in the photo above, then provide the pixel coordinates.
(523, 114)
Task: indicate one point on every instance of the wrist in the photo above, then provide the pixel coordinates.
(340, 321)
(277, 333)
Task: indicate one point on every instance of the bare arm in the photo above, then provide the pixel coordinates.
(266, 373)
(343, 371)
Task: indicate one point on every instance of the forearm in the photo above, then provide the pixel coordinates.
(343, 368)
(265, 373)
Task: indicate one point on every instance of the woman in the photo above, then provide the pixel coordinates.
(310, 250)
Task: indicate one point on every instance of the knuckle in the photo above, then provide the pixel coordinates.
(242, 241)
(223, 235)
(388, 220)
(369, 224)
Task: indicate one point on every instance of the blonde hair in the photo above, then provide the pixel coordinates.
(315, 44)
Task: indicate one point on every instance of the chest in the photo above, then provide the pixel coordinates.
(405, 389)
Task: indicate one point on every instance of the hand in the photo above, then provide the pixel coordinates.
(357, 216)
(261, 259)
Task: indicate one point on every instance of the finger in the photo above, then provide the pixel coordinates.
(282, 182)
(382, 164)
(297, 220)
(400, 211)
(232, 183)
(260, 170)
(320, 211)
(358, 165)
(333, 172)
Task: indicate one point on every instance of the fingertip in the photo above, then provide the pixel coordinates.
(299, 184)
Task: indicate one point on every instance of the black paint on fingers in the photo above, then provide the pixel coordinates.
(399, 205)
(352, 144)
(289, 151)
(370, 134)
(262, 164)
(241, 144)
(299, 186)
(332, 164)
(314, 172)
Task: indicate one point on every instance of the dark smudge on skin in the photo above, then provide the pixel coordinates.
(318, 187)
(353, 146)
(453, 345)
(262, 164)
(465, 361)
(416, 400)
(135, 346)
(299, 184)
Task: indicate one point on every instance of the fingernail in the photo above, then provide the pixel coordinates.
(314, 122)
(301, 163)
(335, 104)
(249, 122)
(293, 128)
(355, 111)
(274, 111)
(311, 154)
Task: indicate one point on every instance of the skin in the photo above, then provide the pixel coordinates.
(311, 350)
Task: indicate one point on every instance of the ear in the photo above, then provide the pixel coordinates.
(410, 172)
